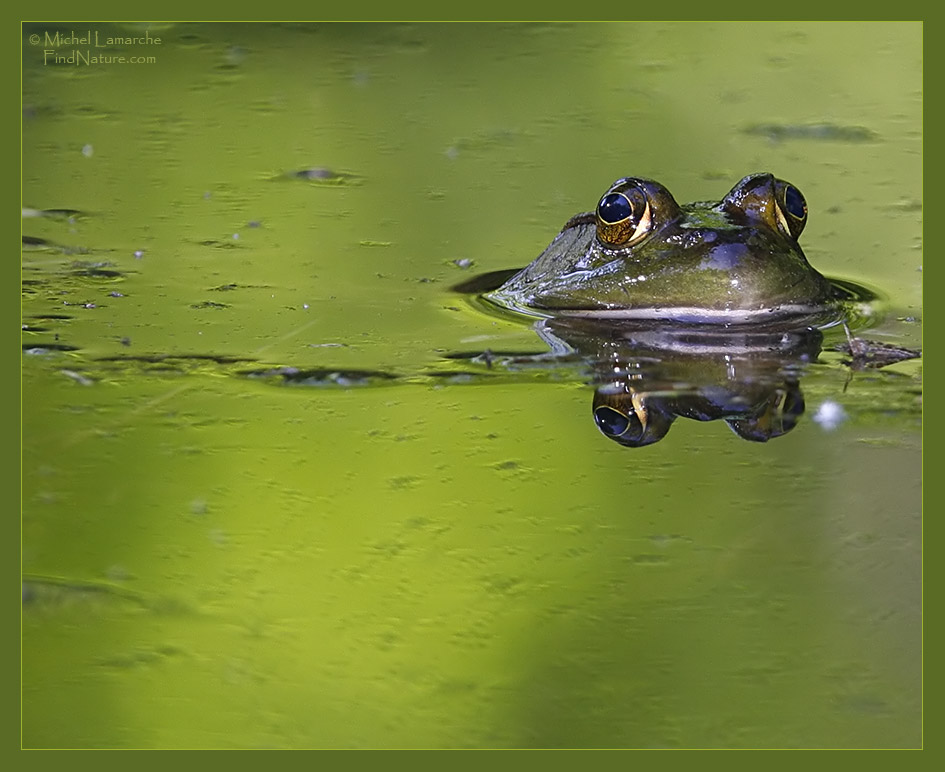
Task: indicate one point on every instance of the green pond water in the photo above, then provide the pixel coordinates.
(407, 548)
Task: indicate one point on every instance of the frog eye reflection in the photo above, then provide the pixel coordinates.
(632, 428)
(629, 417)
(791, 209)
(613, 423)
(623, 217)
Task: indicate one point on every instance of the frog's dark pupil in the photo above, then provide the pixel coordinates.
(610, 422)
(795, 202)
(613, 208)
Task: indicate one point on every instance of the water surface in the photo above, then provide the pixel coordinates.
(409, 548)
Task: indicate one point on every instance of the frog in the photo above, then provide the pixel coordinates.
(642, 256)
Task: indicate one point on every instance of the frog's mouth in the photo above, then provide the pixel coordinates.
(848, 301)
(820, 316)
(712, 316)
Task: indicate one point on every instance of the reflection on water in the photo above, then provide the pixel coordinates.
(750, 381)
(283, 488)
(648, 373)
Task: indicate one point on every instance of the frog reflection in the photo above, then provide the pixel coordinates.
(644, 379)
(635, 418)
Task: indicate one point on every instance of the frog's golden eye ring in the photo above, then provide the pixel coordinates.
(791, 209)
(623, 217)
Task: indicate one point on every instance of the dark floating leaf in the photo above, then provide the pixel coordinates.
(209, 304)
(234, 286)
(823, 132)
(490, 356)
(58, 317)
(866, 354)
(323, 377)
(70, 215)
(39, 243)
(217, 244)
(45, 348)
(95, 270)
(323, 176)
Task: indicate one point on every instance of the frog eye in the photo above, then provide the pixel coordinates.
(614, 208)
(791, 209)
(623, 216)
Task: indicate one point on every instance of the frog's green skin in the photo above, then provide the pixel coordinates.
(643, 256)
